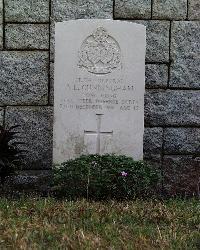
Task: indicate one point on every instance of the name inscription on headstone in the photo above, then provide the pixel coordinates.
(100, 94)
(99, 88)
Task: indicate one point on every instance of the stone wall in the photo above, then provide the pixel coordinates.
(172, 108)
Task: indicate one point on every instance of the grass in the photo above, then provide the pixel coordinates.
(49, 224)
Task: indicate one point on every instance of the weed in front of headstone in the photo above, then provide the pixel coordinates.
(10, 154)
(103, 177)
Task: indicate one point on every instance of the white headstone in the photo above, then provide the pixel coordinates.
(99, 88)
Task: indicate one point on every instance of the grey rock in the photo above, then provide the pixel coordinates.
(36, 131)
(27, 36)
(24, 78)
(194, 9)
(81, 9)
(1, 115)
(30, 181)
(182, 141)
(153, 139)
(26, 11)
(185, 48)
(1, 11)
(170, 9)
(157, 40)
(172, 107)
(156, 76)
(1, 37)
(154, 160)
(181, 175)
(51, 96)
(132, 9)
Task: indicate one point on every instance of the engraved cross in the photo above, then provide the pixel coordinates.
(98, 133)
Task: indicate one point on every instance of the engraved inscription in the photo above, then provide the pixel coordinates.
(101, 94)
(100, 53)
(100, 84)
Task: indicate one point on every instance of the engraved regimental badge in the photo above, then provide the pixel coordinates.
(100, 53)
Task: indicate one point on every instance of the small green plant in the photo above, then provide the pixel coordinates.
(105, 177)
(10, 155)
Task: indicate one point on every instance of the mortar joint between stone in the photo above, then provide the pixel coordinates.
(152, 2)
(49, 61)
(187, 15)
(169, 67)
(113, 14)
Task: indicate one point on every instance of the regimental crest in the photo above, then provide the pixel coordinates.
(100, 53)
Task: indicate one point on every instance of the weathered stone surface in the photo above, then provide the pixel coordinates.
(185, 48)
(169, 9)
(157, 40)
(26, 11)
(30, 181)
(153, 139)
(132, 9)
(172, 107)
(156, 76)
(1, 11)
(182, 141)
(36, 132)
(24, 78)
(51, 97)
(1, 37)
(154, 160)
(80, 9)
(181, 175)
(194, 9)
(1, 115)
(27, 36)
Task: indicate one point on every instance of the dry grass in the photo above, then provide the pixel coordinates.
(50, 224)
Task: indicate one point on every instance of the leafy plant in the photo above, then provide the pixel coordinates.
(105, 177)
(10, 154)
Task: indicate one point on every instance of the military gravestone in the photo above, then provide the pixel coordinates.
(99, 88)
